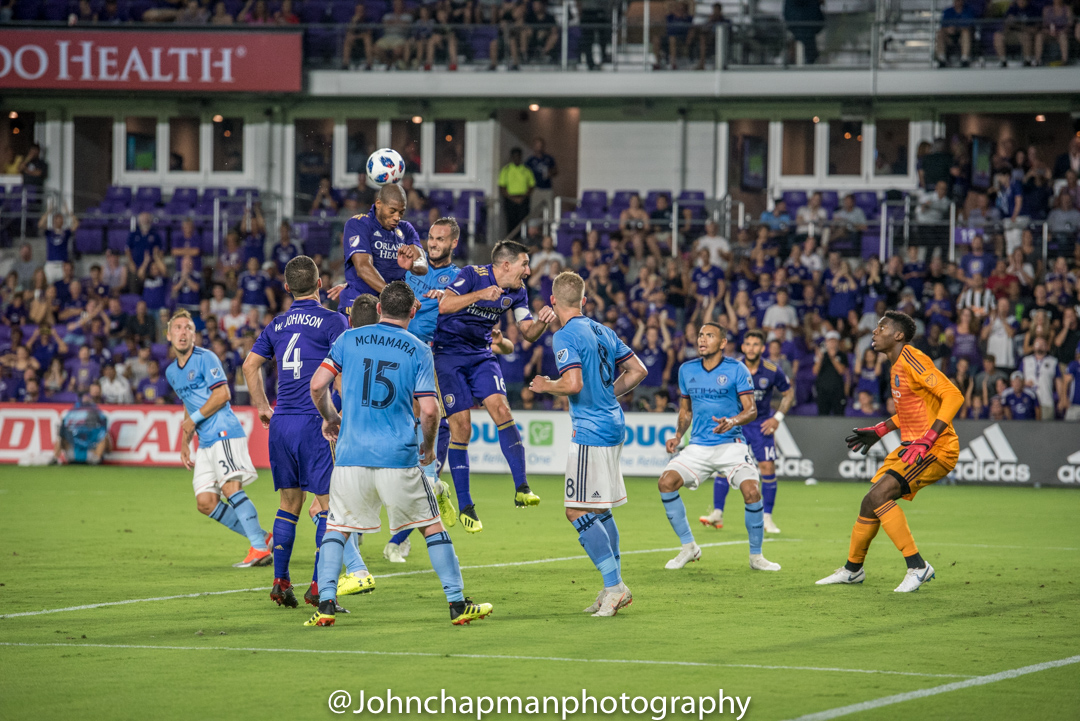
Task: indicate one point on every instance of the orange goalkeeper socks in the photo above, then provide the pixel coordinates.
(895, 524)
(861, 535)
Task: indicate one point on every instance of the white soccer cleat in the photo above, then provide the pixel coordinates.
(405, 548)
(688, 554)
(842, 575)
(392, 553)
(614, 600)
(714, 519)
(914, 578)
(770, 527)
(760, 563)
(597, 603)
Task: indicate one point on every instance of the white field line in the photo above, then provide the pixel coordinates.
(384, 575)
(643, 662)
(923, 693)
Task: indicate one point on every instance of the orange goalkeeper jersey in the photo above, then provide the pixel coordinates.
(922, 395)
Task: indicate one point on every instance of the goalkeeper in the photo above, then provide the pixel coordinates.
(926, 402)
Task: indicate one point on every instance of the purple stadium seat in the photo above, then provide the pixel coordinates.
(5, 332)
(620, 201)
(650, 199)
(209, 193)
(245, 192)
(63, 397)
(116, 237)
(89, 239)
(871, 244)
(595, 200)
(118, 192)
(148, 195)
(341, 11)
(128, 301)
(830, 200)
(184, 196)
(795, 199)
(56, 10)
(868, 201)
(442, 199)
(312, 11)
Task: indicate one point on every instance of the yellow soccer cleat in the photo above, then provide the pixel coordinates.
(525, 497)
(469, 520)
(324, 616)
(465, 612)
(446, 504)
(351, 583)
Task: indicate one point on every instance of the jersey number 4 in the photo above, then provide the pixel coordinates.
(291, 359)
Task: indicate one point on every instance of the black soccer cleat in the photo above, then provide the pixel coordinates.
(282, 593)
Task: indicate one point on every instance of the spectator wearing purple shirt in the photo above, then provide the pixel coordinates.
(253, 288)
(977, 260)
(63, 284)
(187, 245)
(706, 275)
(285, 250)
(1022, 21)
(956, 25)
(45, 344)
(95, 285)
(185, 286)
(83, 371)
(143, 241)
(154, 388)
(57, 240)
(1021, 404)
(152, 273)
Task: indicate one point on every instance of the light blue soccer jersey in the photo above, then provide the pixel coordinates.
(193, 383)
(714, 393)
(423, 323)
(583, 343)
(383, 367)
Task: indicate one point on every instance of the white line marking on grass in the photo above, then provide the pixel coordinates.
(923, 693)
(384, 575)
(558, 659)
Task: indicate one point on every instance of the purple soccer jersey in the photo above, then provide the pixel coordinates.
(299, 339)
(468, 331)
(364, 234)
(254, 287)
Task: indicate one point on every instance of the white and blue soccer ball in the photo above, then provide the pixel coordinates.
(385, 166)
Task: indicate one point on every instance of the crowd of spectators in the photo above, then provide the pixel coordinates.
(1036, 32)
(1000, 321)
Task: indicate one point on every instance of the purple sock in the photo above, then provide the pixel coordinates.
(719, 492)
(768, 491)
(442, 444)
(458, 456)
(514, 451)
(284, 535)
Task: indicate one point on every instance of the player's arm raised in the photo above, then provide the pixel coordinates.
(451, 302)
(253, 374)
(412, 258)
(686, 417)
(367, 271)
(531, 329)
(747, 414)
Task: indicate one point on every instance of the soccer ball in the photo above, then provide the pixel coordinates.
(385, 166)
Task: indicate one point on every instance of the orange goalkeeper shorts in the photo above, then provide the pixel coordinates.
(916, 476)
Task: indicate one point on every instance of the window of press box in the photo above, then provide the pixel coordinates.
(405, 138)
(845, 147)
(361, 136)
(228, 145)
(797, 148)
(16, 137)
(140, 145)
(184, 143)
(891, 147)
(450, 146)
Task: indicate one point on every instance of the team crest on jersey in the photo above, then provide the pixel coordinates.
(721, 380)
(399, 233)
(191, 375)
(896, 380)
(763, 382)
(354, 241)
(506, 302)
(444, 279)
(930, 381)
(448, 399)
(562, 355)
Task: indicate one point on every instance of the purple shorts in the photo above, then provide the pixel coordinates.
(463, 378)
(764, 447)
(299, 455)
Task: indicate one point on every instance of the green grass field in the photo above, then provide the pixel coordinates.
(1007, 595)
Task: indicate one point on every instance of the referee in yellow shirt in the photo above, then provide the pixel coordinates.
(516, 181)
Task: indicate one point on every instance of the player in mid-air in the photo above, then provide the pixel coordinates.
(301, 460)
(379, 247)
(383, 368)
(717, 402)
(926, 402)
(471, 306)
(595, 368)
(767, 377)
(222, 465)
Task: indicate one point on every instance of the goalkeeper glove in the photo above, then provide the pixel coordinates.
(919, 448)
(862, 439)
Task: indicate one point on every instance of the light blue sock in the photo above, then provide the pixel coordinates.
(676, 515)
(400, 536)
(755, 526)
(613, 536)
(226, 516)
(354, 563)
(249, 519)
(333, 547)
(445, 562)
(594, 539)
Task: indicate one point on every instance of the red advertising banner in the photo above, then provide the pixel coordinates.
(174, 61)
(141, 435)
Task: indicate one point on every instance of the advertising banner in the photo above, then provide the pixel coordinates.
(176, 61)
(141, 435)
(1023, 453)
